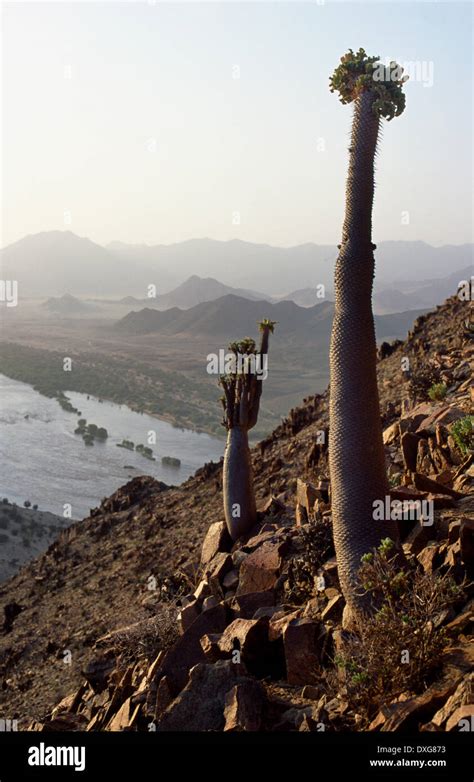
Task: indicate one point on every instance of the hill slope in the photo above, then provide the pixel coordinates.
(230, 316)
(97, 576)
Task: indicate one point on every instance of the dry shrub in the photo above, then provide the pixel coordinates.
(399, 647)
(146, 638)
(315, 544)
(423, 378)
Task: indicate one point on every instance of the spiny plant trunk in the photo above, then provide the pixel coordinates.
(239, 497)
(356, 452)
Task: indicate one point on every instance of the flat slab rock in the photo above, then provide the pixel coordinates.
(243, 707)
(201, 705)
(217, 540)
(408, 714)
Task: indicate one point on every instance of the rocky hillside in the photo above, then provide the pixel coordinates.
(144, 614)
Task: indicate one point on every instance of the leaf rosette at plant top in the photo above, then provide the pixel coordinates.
(358, 73)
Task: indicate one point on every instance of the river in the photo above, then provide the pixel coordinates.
(43, 461)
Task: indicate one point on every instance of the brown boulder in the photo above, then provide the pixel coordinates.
(428, 557)
(219, 565)
(245, 606)
(440, 415)
(306, 495)
(260, 570)
(409, 446)
(273, 506)
(462, 718)
(188, 614)
(250, 638)
(200, 706)
(186, 652)
(417, 539)
(121, 719)
(466, 538)
(463, 695)
(423, 483)
(280, 620)
(334, 609)
(217, 540)
(407, 715)
(243, 707)
(453, 531)
(302, 646)
(98, 670)
(231, 579)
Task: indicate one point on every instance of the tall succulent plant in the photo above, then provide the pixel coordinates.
(356, 452)
(241, 403)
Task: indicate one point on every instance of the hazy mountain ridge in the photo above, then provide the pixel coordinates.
(57, 262)
(66, 305)
(231, 316)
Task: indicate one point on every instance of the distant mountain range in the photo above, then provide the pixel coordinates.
(57, 262)
(194, 290)
(66, 305)
(230, 317)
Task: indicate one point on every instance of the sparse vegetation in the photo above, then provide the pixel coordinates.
(90, 432)
(171, 461)
(399, 647)
(438, 391)
(463, 433)
(316, 546)
(184, 401)
(145, 451)
(150, 636)
(423, 378)
(128, 444)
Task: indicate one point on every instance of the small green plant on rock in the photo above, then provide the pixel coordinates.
(463, 433)
(438, 391)
(423, 379)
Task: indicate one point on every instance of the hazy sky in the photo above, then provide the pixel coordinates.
(153, 122)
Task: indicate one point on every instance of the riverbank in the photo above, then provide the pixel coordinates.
(168, 396)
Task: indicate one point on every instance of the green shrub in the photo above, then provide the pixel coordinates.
(463, 433)
(437, 391)
(399, 646)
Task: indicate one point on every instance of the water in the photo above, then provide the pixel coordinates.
(42, 460)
